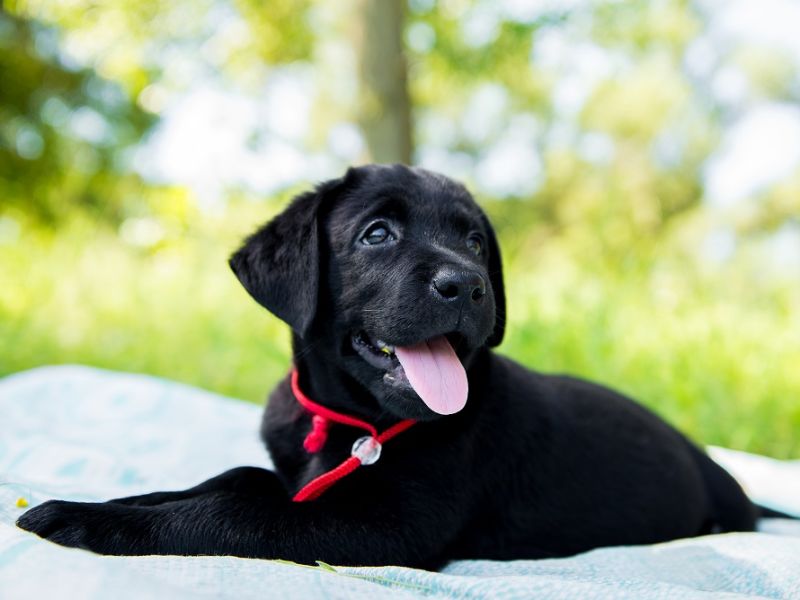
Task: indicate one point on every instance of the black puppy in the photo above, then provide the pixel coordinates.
(390, 278)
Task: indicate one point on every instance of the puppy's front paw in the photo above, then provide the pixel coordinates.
(101, 528)
(56, 520)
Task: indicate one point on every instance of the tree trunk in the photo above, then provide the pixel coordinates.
(384, 105)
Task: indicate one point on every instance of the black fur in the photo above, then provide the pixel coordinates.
(535, 466)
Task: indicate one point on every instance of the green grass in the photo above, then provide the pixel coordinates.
(711, 352)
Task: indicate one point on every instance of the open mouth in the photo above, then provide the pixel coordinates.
(376, 352)
(431, 367)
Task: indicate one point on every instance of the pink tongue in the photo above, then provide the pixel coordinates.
(436, 374)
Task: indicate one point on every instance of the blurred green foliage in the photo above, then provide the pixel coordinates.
(63, 131)
(605, 263)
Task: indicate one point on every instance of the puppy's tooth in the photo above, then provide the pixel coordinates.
(384, 347)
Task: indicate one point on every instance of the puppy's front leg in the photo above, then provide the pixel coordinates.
(247, 480)
(133, 525)
(380, 530)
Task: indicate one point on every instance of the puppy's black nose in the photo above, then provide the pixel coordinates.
(450, 284)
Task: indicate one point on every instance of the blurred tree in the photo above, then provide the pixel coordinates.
(590, 112)
(593, 103)
(64, 131)
(385, 110)
(173, 42)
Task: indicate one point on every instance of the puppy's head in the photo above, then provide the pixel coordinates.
(393, 274)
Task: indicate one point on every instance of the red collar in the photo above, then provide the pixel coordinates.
(366, 450)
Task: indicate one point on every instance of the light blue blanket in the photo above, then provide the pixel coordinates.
(85, 434)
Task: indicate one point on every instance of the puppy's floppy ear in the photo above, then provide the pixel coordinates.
(498, 287)
(279, 264)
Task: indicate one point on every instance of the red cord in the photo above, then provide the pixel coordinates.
(316, 438)
(325, 412)
(315, 488)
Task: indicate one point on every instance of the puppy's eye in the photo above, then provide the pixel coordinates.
(475, 244)
(377, 233)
